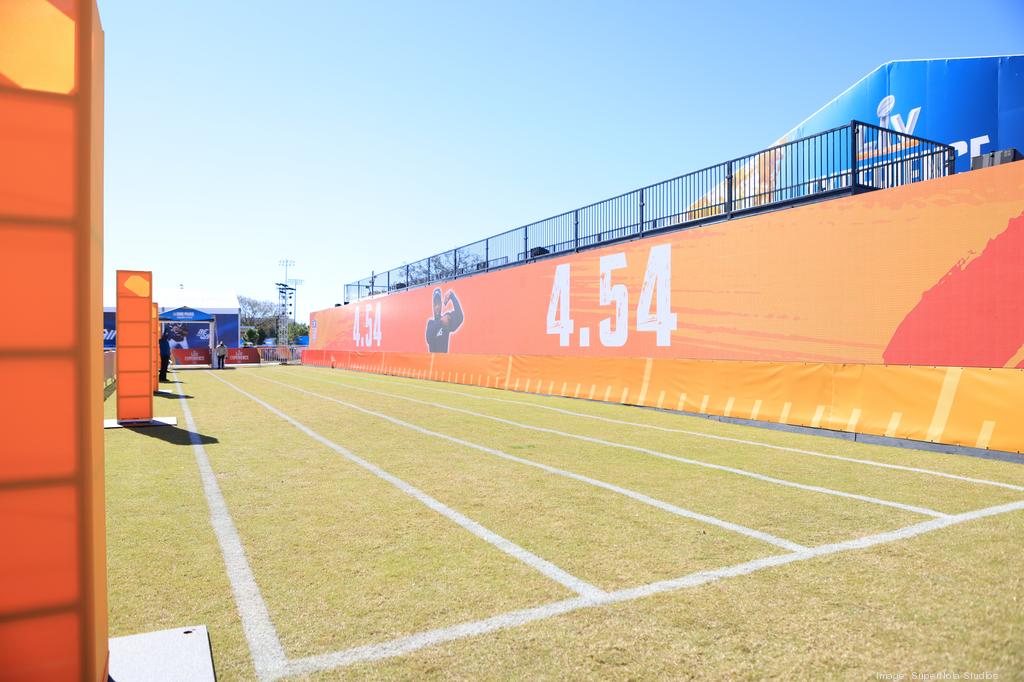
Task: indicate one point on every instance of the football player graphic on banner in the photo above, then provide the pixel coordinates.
(177, 336)
(446, 321)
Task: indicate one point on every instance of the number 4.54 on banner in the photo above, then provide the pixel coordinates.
(613, 331)
(372, 335)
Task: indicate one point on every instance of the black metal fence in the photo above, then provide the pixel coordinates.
(852, 158)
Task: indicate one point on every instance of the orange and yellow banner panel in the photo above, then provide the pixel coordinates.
(923, 276)
(53, 609)
(134, 345)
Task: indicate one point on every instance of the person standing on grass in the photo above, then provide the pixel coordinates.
(165, 356)
(219, 353)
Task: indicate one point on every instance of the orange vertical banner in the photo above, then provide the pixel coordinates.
(154, 349)
(134, 345)
(53, 595)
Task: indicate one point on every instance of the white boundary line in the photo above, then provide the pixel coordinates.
(268, 655)
(655, 453)
(640, 497)
(540, 565)
(415, 384)
(405, 645)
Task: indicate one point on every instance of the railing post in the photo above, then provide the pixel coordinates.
(641, 212)
(853, 156)
(728, 190)
(526, 244)
(487, 254)
(576, 230)
(407, 282)
(455, 262)
(389, 281)
(429, 279)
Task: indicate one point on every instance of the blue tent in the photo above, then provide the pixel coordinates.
(205, 337)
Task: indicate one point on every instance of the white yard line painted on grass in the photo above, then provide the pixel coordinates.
(632, 494)
(268, 655)
(507, 546)
(405, 645)
(821, 550)
(699, 434)
(662, 455)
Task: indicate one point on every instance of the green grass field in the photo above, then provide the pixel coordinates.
(332, 525)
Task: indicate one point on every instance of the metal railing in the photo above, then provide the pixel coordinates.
(852, 158)
(109, 366)
(280, 353)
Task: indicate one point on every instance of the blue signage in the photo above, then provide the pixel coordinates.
(185, 315)
(976, 105)
(192, 334)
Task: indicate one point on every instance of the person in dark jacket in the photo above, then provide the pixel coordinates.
(165, 356)
(443, 324)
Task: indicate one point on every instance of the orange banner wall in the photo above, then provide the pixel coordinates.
(53, 608)
(927, 274)
(971, 406)
(898, 312)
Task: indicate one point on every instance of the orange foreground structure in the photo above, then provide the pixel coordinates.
(53, 608)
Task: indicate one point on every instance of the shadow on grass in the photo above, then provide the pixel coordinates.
(171, 434)
(199, 368)
(174, 396)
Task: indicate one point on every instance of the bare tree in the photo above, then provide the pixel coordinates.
(253, 313)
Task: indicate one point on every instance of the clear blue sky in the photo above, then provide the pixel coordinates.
(352, 136)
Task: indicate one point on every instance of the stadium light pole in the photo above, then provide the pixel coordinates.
(284, 295)
(286, 263)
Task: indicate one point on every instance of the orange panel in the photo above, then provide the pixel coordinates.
(50, 288)
(37, 167)
(135, 310)
(39, 564)
(42, 443)
(95, 575)
(790, 393)
(888, 400)
(39, 44)
(986, 410)
(135, 405)
(136, 383)
(136, 356)
(134, 345)
(155, 348)
(41, 649)
(53, 558)
(962, 406)
(134, 335)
